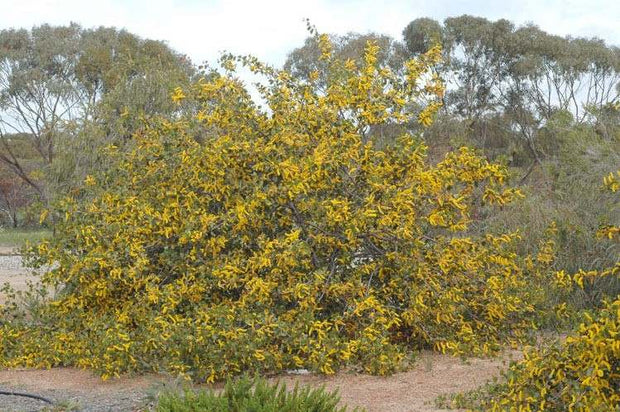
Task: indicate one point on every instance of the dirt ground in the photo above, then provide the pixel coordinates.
(8, 250)
(11, 271)
(414, 390)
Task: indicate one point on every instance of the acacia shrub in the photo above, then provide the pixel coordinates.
(580, 373)
(243, 238)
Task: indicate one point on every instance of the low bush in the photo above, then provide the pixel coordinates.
(580, 373)
(247, 395)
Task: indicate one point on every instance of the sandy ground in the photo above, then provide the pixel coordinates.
(12, 272)
(410, 391)
(414, 390)
(8, 250)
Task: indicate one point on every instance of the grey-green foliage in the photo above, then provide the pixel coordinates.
(38, 95)
(519, 77)
(70, 90)
(478, 58)
(564, 73)
(129, 75)
(422, 34)
(251, 395)
(131, 79)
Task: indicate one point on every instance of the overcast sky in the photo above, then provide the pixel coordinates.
(269, 29)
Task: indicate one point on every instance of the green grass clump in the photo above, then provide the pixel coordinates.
(255, 395)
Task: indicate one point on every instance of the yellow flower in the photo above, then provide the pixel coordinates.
(178, 95)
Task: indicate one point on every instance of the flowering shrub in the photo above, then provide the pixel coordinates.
(247, 239)
(581, 373)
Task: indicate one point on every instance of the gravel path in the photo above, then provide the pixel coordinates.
(11, 263)
(77, 401)
(73, 388)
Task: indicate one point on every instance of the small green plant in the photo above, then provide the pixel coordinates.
(256, 395)
(63, 406)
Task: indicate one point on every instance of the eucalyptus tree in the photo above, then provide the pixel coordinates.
(520, 77)
(67, 90)
(422, 34)
(39, 94)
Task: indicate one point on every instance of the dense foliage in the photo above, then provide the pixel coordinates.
(65, 92)
(247, 239)
(545, 106)
(583, 372)
(578, 373)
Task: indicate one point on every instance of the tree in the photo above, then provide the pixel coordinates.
(37, 94)
(14, 196)
(497, 74)
(422, 34)
(480, 60)
(58, 83)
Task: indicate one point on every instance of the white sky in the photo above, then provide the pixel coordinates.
(269, 29)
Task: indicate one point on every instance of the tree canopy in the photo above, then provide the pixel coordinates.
(67, 90)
